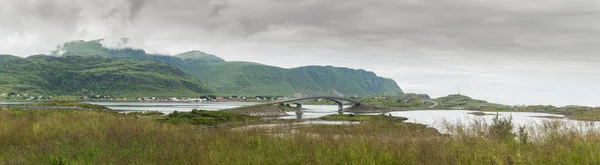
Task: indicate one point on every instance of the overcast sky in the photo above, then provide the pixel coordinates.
(505, 51)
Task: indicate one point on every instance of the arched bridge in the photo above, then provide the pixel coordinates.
(299, 101)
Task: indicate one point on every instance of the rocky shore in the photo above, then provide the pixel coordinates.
(364, 108)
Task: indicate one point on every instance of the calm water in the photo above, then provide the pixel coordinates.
(437, 118)
(431, 118)
(168, 107)
(17, 102)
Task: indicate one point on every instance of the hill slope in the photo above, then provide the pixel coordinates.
(245, 78)
(84, 76)
(6, 57)
(198, 55)
(95, 48)
(462, 101)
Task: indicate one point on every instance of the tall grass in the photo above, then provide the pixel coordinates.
(85, 137)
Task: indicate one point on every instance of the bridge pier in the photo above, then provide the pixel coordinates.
(340, 108)
(299, 111)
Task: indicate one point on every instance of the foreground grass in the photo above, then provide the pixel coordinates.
(86, 137)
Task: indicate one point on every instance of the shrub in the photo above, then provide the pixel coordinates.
(211, 118)
(501, 129)
(523, 135)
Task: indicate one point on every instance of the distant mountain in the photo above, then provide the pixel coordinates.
(7, 57)
(95, 48)
(457, 100)
(198, 55)
(85, 76)
(246, 78)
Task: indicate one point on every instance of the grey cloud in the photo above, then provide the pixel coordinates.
(24, 15)
(446, 25)
(217, 6)
(135, 6)
(490, 47)
(128, 10)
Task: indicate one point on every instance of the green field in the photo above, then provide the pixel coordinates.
(102, 137)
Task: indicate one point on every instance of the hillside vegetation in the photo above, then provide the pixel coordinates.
(246, 78)
(465, 102)
(198, 55)
(85, 76)
(6, 57)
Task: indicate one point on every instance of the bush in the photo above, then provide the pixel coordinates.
(501, 129)
(523, 135)
(211, 118)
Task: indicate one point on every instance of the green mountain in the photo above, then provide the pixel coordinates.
(6, 57)
(95, 48)
(85, 76)
(198, 55)
(457, 100)
(246, 78)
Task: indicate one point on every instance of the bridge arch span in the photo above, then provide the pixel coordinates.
(299, 101)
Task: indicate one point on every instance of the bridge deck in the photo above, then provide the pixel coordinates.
(338, 100)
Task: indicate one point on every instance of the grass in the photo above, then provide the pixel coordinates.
(354, 117)
(90, 137)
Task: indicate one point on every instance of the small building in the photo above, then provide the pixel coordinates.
(220, 99)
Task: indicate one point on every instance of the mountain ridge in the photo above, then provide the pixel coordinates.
(248, 78)
(8, 57)
(198, 55)
(95, 75)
